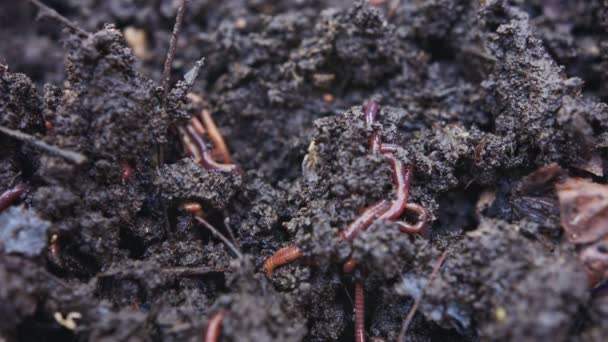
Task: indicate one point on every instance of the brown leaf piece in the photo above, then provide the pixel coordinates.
(594, 165)
(539, 180)
(583, 210)
(595, 259)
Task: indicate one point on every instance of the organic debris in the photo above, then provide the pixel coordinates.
(123, 123)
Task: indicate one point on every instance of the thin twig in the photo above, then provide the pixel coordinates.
(178, 271)
(229, 228)
(74, 157)
(55, 15)
(191, 271)
(172, 47)
(220, 236)
(414, 308)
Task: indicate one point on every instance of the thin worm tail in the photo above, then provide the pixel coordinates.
(359, 313)
(214, 327)
(370, 112)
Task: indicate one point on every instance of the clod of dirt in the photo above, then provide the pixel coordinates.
(22, 232)
(257, 315)
(187, 180)
(107, 108)
(20, 104)
(528, 290)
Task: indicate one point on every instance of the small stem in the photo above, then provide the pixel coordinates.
(55, 15)
(172, 47)
(74, 157)
(220, 236)
(229, 228)
(414, 308)
(191, 271)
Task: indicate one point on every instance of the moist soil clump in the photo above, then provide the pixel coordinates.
(114, 226)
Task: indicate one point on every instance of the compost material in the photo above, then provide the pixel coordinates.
(497, 106)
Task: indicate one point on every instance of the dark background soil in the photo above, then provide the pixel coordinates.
(477, 94)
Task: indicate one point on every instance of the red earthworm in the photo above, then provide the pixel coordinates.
(402, 178)
(127, 171)
(55, 245)
(10, 195)
(189, 146)
(422, 216)
(198, 126)
(216, 136)
(214, 327)
(359, 313)
(388, 148)
(375, 143)
(377, 339)
(205, 159)
(370, 112)
(193, 208)
(376, 3)
(202, 131)
(349, 265)
(283, 256)
(367, 217)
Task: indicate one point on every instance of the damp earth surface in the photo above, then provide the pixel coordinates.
(499, 106)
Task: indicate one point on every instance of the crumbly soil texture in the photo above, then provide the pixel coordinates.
(475, 94)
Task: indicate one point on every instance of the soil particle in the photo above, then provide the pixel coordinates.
(22, 232)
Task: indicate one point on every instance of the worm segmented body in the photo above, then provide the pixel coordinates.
(388, 148)
(402, 179)
(204, 155)
(216, 136)
(281, 257)
(421, 218)
(11, 195)
(367, 217)
(371, 112)
(214, 327)
(359, 313)
(192, 138)
(350, 265)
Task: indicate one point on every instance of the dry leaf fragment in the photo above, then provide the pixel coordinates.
(595, 259)
(583, 210)
(595, 165)
(539, 179)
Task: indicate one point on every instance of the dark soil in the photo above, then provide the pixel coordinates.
(476, 94)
